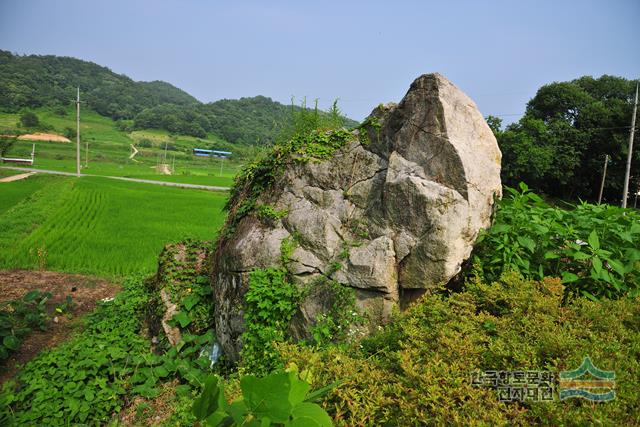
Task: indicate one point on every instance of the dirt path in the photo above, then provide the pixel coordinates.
(16, 177)
(121, 178)
(84, 291)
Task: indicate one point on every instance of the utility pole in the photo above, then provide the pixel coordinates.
(625, 190)
(78, 133)
(604, 175)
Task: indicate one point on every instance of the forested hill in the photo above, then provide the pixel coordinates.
(48, 81)
(36, 81)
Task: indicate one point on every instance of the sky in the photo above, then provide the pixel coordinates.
(361, 52)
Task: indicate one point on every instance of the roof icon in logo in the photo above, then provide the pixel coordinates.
(598, 387)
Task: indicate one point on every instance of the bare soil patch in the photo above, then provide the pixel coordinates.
(16, 177)
(40, 136)
(85, 292)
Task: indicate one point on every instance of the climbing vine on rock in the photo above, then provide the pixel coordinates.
(270, 304)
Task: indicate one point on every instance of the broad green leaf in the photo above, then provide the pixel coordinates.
(597, 265)
(527, 243)
(209, 400)
(268, 396)
(568, 277)
(618, 267)
(238, 411)
(299, 389)
(310, 415)
(594, 242)
(580, 256)
(190, 301)
(182, 318)
(551, 255)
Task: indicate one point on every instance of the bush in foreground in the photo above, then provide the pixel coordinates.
(418, 369)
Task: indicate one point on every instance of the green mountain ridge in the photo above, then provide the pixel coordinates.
(32, 81)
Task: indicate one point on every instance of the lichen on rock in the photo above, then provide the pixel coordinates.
(390, 209)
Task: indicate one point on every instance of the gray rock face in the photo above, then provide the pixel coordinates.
(400, 214)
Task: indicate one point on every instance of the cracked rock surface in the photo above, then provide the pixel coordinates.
(400, 213)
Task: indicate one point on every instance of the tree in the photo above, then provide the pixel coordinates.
(29, 120)
(559, 145)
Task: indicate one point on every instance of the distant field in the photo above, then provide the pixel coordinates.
(99, 226)
(109, 150)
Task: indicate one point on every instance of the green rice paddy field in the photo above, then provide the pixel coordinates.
(99, 226)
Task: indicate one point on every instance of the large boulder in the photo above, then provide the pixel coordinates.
(398, 208)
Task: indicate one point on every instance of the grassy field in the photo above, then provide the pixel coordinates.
(99, 226)
(109, 150)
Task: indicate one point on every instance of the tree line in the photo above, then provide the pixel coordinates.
(559, 145)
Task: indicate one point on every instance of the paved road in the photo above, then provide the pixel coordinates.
(121, 178)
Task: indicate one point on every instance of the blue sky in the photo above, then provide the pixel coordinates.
(363, 52)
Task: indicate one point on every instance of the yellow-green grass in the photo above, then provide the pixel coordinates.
(99, 226)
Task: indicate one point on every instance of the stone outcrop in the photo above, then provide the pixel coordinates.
(399, 210)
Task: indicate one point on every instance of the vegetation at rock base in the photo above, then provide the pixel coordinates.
(419, 366)
(183, 274)
(270, 304)
(558, 146)
(595, 249)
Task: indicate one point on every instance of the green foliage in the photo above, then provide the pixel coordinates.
(373, 123)
(278, 399)
(184, 277)
(594, 248)
(418, 368)
(287, 246)
(29, 120)
(559, 145)
(269, 212)
(262, 174)
(18, 318)
(69, 133)
(5, 145)
(88, 378)
(34, 81)
(270, 304)
(337, 323)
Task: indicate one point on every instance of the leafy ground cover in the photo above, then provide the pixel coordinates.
(71, 296)
(595, 249)
(100, 226)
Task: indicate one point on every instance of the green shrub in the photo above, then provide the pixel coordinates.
(595, 249)
(417, 370)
